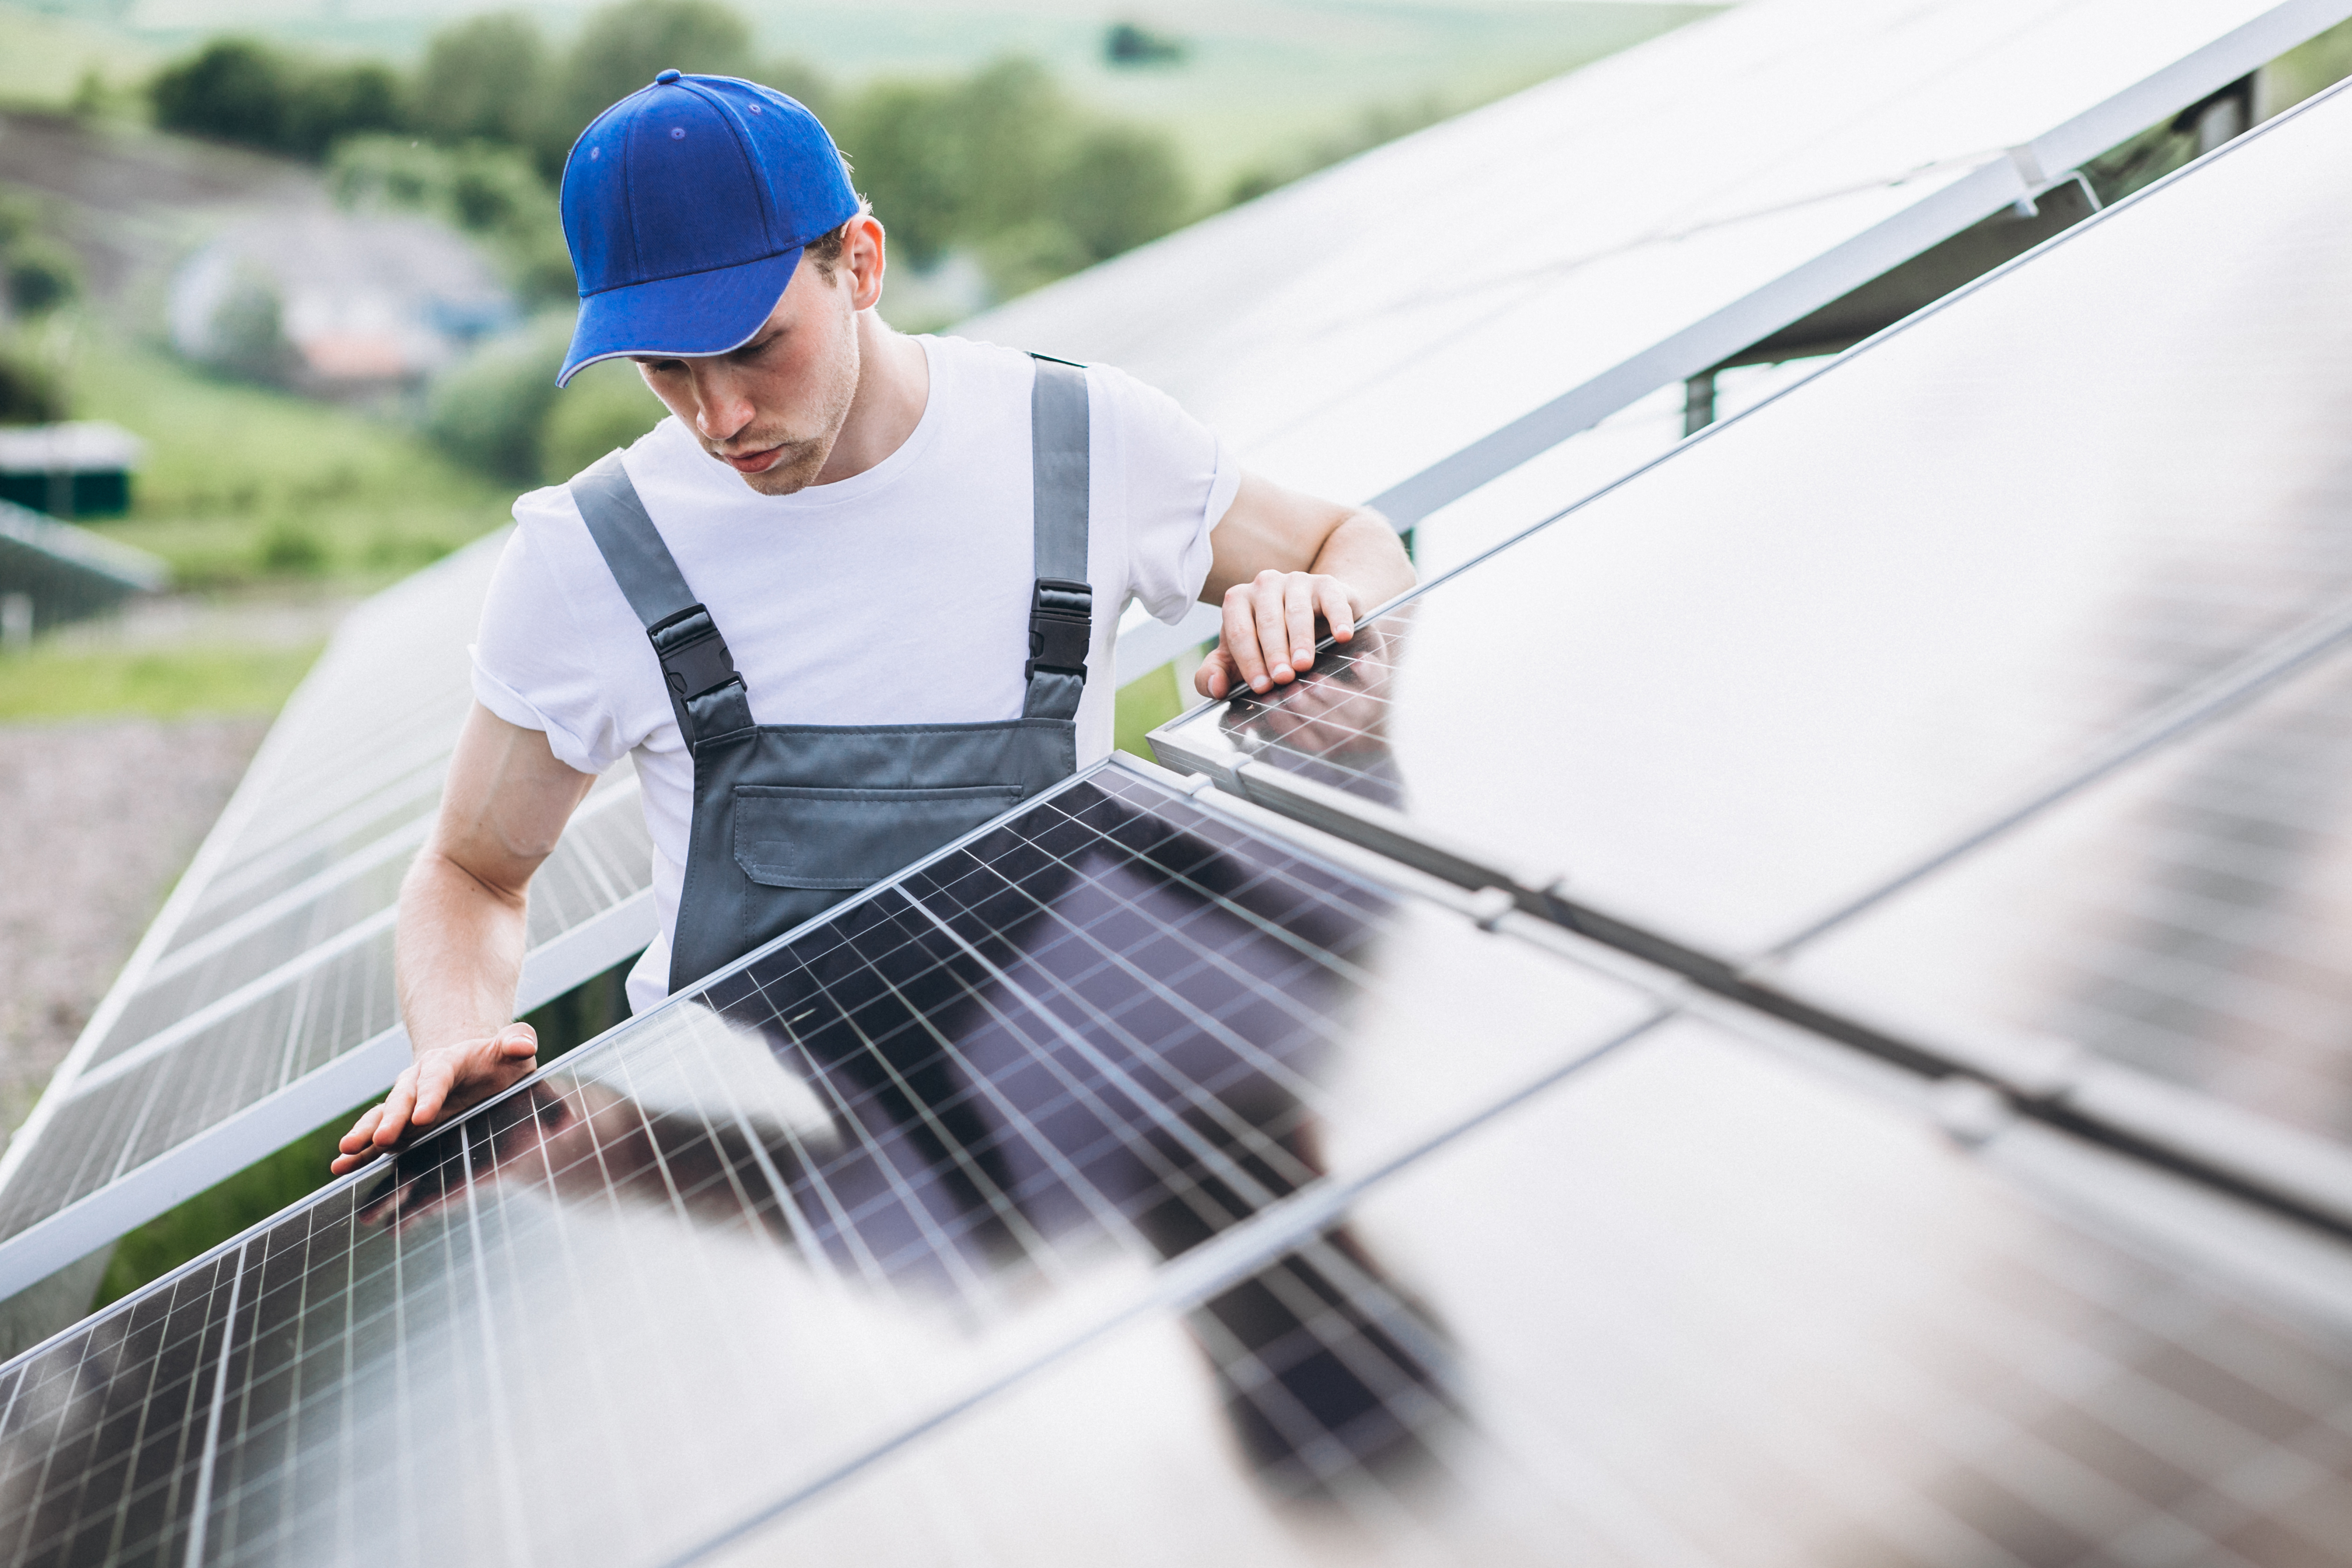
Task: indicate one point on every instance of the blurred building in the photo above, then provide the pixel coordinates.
(80, 469)
(335, 304)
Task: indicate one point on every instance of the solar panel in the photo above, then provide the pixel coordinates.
(261, 1002)
(1826, 641)
(66, 573)
(1694, 1305)
(2185, 917)
(1414, 322)
(926, 1143)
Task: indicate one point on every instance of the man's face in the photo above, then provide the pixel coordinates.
(773, 409)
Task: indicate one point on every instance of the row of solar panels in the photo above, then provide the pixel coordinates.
(260, 1002)
(1810, 145)
(1155, 1176)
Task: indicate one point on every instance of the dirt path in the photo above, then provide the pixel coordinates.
(96, 821)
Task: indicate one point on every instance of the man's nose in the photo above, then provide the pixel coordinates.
(720, 409)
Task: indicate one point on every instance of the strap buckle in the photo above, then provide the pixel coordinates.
(694, 657)
(1061, 627)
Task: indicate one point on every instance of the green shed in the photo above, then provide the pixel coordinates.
(82, 468)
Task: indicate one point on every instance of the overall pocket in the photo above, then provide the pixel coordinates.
(791, 836)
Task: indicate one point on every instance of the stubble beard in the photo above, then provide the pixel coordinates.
(805, 456)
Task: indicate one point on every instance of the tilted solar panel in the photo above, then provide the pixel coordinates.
(261, 1002)
(761, 1232)
(1411, 326)
(1765, 675)
(1735, 698)
(1414, 322)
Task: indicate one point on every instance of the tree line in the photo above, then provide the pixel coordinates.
(999, 163)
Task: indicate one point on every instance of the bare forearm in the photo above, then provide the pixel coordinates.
(458, 954)
(1365, 554)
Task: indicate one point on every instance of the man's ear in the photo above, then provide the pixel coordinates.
(864, 260)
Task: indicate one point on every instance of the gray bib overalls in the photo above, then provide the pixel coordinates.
(789, 819)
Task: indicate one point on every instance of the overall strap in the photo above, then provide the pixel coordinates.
(705, 690)
(1061, 604)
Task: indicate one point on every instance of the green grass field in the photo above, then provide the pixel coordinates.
(243, 484)
(51, 683)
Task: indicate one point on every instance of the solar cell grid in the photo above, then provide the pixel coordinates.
(378, 709)
(114, 1434)
(1692, 1305)
(905, 1153)
(399, 811)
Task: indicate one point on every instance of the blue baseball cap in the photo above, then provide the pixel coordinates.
(687, 205)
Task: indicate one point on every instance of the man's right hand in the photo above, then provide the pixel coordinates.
(446, 1078)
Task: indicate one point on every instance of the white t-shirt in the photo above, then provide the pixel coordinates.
(898, 596)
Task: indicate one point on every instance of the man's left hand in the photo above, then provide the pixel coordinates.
(1279, 563)
(1270, 631)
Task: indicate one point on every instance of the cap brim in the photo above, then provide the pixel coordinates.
(699, 313)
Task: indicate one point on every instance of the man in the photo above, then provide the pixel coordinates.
(893, 618)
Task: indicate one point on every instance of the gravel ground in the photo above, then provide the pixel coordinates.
(96, 821)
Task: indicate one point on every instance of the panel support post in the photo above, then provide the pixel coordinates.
(1698, 403)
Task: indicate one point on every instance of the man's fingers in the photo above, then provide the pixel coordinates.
(357, 1147)
(517, 1041)
(1273, 625)
(435, 1074)
(393, 1122)
(1214, 677)
(363, 1132)
(1298, 619)
(1240, 646)
(1331, 598)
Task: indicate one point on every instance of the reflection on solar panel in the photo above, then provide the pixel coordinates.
(1692, 1306)
(1856, 630)
(1105, 1182)
(1811, 145)
(768, 1228)
(261, 1002)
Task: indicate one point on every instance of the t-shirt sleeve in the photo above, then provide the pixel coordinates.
(1174, 480)
(533, 664)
